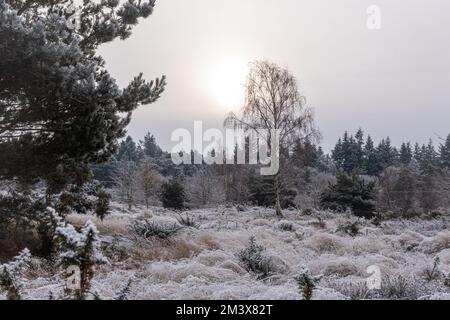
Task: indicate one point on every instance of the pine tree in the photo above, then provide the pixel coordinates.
(60, 109)
(406, 154)
(350, 191)
(173, 195)
(128, 151)
(387, 155)
(359, 136)
(444, 154)
(371, 166)
(150, 147)
(348, 153)
(429, 159)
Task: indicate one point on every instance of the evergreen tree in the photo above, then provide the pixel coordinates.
(128, 151)
(371, 166)
(406, 154)
(337, 153)
(173, 195)
(359, 136)
(60, 109)
(429, 159)
(417, 153)
(150, 147)
(387, 155)
(444, 154)
(352, 192)
(349, 152)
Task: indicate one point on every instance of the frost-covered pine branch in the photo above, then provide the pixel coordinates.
(11, 273)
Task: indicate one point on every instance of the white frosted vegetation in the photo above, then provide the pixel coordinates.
(202, 262)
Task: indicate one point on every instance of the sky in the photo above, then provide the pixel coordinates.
(393, 81)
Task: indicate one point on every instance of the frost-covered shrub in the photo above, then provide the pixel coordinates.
(80, 250)
(151, 229)
(323, 242)
(187, 221)
(432, 273)
(436, 244)
(125, 291)
(447, 280)
(399, 288)
(254, 260)
(342, 267)
(319, 224)
(353, 290)
(307, 283)
(351, 228)
(10, 275)
(286, 226)
(409, 240)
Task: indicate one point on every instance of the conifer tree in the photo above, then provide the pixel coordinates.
(350, 192)
(406, 154)
(173, 195)
(150, 147)
(429, 159)
(371, 166)
(387, 155)
(444, 154)
(60, 109)
(128, 151)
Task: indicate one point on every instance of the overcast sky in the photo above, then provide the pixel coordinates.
(394, 81)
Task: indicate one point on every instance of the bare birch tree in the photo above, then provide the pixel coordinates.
(273, 102)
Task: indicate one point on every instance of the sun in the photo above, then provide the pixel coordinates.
(227, 82)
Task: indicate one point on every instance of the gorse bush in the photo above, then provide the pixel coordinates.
(79, 250)
(253, 259)
(307, 283)
(11, 273)
(150, 229)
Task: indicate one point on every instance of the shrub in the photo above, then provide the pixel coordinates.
(254, 260)
(187, 221)
(350, 191)
(148, 229)
(353, 290)
(398, 287)
(80, 250)
(433, 273)
(307, 283)
(10, 275)
(125, 291)
(350, 228)
(173, 195)
(286, 226)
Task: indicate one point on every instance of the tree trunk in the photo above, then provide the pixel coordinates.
(278, 209)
